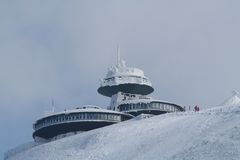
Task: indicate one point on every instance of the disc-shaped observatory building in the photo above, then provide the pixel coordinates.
(70, 122)
(129, 91)
(129, 88)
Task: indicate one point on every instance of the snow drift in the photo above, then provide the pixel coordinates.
(213, 134)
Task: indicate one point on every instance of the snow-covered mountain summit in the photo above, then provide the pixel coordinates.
(213, 134)
(233, 100)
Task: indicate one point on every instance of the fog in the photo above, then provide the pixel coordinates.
(59, 50)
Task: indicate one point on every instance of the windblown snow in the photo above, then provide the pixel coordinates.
(213, 134)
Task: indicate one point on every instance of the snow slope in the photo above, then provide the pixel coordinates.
(234, 100)
(213, 134)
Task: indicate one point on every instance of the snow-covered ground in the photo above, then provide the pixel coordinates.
(213, 134)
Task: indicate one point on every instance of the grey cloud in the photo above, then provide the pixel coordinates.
(59, 49)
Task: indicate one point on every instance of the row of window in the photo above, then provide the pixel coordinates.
(131, 77)
(78, 116)
(153, 105)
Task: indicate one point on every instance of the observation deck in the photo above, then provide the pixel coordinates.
(147, 105)
(78, 120)
(121, 78)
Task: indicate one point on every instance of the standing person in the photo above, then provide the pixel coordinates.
(196, 108)
(189, 108)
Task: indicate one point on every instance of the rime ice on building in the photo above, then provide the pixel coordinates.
(128, 88)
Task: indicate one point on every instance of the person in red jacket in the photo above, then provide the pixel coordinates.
(196, 108)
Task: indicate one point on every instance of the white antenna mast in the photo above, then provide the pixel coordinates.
(53, 106)
(118, 57)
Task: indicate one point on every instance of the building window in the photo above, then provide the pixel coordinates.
(95, 116)
(102, 116)
(88, 116)
(80, 115)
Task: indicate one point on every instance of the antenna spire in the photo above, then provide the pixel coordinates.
(53, 106)
(118, 56)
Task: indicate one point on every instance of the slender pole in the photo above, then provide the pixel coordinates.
(118, 56)
(53, 106)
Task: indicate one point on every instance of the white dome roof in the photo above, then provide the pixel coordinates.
(122, 70)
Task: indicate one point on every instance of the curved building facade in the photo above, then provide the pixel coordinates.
(127, 80)
(74, 121)
(154, 107)
(129, 89)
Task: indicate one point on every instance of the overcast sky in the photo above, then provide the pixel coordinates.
(59, 49)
